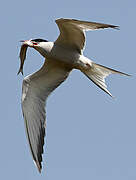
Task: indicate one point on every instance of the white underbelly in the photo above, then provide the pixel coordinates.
(65, 55)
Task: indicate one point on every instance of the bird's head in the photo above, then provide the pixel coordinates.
(33, 42)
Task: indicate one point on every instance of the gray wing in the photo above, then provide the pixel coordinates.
(36, 89)
(72, 32)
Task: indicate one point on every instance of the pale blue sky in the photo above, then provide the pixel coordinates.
(89, 134)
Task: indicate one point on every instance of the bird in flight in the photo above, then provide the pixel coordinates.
(62, 56)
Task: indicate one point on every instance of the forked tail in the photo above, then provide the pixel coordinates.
(97, 74)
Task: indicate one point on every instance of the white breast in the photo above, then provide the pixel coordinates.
(52, 51)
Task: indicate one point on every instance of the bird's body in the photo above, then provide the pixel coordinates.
(71, 57)
(63, 55)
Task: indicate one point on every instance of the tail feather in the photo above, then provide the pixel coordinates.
(97, 74)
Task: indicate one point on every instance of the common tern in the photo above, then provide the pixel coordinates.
(62, 56)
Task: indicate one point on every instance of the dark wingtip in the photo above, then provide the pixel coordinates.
(39, 166)
(117, 27)
(128, 74)
(114, 27)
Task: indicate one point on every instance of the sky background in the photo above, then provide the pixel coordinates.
(89, 134)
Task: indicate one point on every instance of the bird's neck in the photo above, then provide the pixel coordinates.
(44, 48)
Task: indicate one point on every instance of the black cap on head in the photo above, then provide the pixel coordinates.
(39, 40)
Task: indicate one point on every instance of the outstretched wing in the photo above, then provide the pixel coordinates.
(36, 89)
(72, 32)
